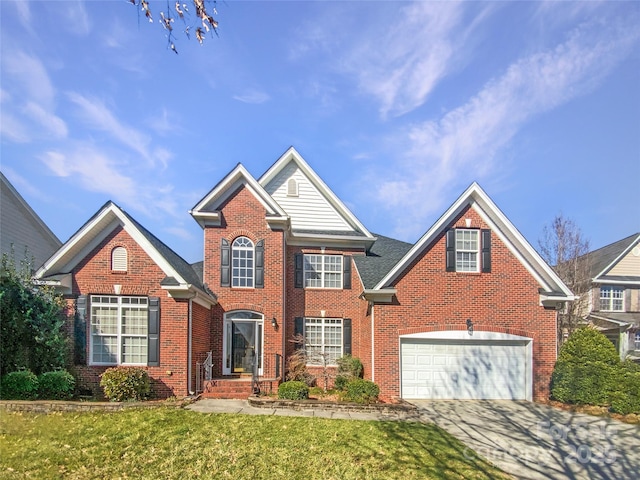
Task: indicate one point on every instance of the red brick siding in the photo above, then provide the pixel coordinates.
(429, 298)
(93, 275)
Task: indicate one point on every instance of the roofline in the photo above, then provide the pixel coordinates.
(238, 174)
(292, 153)
(619, 257)
(130, 228)
(475, 194)
(30, 210)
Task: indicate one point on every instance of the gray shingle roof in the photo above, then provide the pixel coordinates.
(382, 257)
(602, 257)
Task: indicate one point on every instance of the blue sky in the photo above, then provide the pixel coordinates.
(397, 106)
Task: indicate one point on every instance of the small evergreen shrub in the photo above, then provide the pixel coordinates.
(122, 384)
(349, 368)
(361, 391)
(626, 398)
(20, 385)
(587, 369)
(57, 385)
(293, 390)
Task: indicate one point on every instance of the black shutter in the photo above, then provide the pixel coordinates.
(451, 250)
(298, 329)
(346, 336)
(299, 270)
(260, 264)
(486, 250)
(346, 272)
(225, 254)
(80, 331)
(153, 332)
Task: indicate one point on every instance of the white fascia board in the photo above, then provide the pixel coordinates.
(189, 291)
(617, 259)
(604, 281)
(61, 282)
(475, 197)
(292, 155)
(620, 323)
(383, 295)
(237, 177)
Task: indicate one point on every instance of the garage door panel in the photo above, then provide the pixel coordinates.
(464, 370)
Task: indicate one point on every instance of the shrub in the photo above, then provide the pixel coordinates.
(293, 390)
(20, 385)
(349, 368)
(297, 368)
(125, 384)
(626, 398)
(586, 370)
(57, 385)
(361, 391)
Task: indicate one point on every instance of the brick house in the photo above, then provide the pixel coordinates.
(469, 311)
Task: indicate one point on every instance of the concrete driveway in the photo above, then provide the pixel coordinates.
(532, 441)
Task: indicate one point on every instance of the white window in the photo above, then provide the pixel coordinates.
(637, 342)
(323, 340)
(292, 188)
(119, 259)
(118, 330)
(612, 299)
(242, 266)
(467, 247)
(323, 271)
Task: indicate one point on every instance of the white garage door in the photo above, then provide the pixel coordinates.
(464, 369)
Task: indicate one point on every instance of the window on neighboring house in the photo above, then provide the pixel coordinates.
(119, 330)
(242, 266)
(612, 299)
(637, 342)
(323, 271)
(119, 259)
(468, 250)
(323, 340)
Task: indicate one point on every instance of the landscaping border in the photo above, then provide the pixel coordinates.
(48, 406)
(384, 408)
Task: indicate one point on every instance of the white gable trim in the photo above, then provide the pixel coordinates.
(618, 258)
(91, 234)
(292, 155)
(475, 197)
(205, 210)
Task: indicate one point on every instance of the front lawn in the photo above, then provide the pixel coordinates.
(167, 443)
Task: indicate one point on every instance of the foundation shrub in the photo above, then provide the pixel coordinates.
(121, 384)
(626, 398)
(293, 390)
(19, 385)
(361, 391)
(56, 385)
(349, 368)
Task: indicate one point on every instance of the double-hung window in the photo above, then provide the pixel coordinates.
(637, 342)
(119, 330)
(323, 340)
(467, 244)
(323, 271)
(468, 250)
(612, 299)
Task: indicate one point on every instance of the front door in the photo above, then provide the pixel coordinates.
(243, 343)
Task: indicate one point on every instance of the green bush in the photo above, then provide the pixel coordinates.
(293, 390)
(57, 385)
(122, 384)
(20, 385)
(626, 398)
(349, 368)
(361, 391)
(587, 369)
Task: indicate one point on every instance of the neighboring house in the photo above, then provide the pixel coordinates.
(22, 231)
(614, 306)
(469, 311)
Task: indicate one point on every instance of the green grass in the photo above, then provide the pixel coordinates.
(168, 443)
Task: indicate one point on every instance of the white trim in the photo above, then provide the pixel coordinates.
(602, 281)
(292, 155)
(474, 196)
(226, 324)
(618, 258)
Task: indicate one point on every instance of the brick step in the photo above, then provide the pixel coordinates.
(235, 388)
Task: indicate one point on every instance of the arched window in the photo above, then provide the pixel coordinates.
(119, 259)
(242, 263)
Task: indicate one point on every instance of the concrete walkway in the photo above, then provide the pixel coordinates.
(533, 441)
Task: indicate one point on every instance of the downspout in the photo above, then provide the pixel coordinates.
(190, 347)
(373, 342)
(284, 302)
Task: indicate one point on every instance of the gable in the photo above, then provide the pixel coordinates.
(308, 209)
(628, 265)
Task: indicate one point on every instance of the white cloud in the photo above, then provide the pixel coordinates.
(24, 13)
(96, 113)
(76, 18)
(461, 145)
(255, 97)
(13, 129)
(30, 76)
(49, 121)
